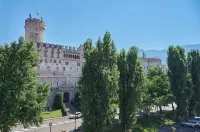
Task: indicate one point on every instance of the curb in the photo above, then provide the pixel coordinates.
(55, 118)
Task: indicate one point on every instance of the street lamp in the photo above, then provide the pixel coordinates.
(187, 107)
(50, 125)
(75, 120)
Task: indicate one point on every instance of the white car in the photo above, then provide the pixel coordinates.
(78, 115)
(193, 123)
(197, 118)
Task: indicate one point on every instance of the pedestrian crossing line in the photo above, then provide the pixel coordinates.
(54, 124)
(26, 129)
(60, 123)
(43, 126)
(34, 127)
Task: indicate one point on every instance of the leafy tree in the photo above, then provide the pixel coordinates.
(130, 83)
(146, 98)
(77, 99)
(178, 76)
(108, 54)
(58, 101)
(194, 69)
(99, 84)
(22, 98)
(159, 87)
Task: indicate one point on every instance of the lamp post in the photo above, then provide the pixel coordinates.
(50, 125)
(75, 120)
(187, 107)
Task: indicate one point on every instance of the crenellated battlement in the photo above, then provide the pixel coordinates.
(35, 21)
(63, 48)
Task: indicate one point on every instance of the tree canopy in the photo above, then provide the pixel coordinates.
(99, 84)
(158, 87)
(22, 98)
(179, 78)
(130, 83)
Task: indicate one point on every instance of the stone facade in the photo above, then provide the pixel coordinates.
(151, 62)
(60, 66)
(34, 29)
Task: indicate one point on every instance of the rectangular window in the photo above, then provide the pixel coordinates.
(66, 63)
(41, 60)
(54, 61)
(59, 61)
(63, 68)
(78, 64)
(52, 53)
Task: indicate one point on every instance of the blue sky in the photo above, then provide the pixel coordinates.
(147, 24)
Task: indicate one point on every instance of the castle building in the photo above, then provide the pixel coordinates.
(60, 66)
(151, 62)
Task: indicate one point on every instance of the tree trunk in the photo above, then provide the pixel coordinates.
(173, 106)
(160, 109)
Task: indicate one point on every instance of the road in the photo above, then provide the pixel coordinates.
(180, 129)
(58, 125)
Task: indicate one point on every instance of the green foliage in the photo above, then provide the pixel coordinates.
(58, 102)
(146, 103)
(130, 83)
(158, 87)
(99, 84)
(22, 98)
(194, 69)
(154, 122)
(77, 99)
(178, 75)
(63, 110)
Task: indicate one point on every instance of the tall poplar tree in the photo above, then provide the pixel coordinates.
(99, 84)
(194, 69)
(179, 78)
(130, 84)
(22, 98)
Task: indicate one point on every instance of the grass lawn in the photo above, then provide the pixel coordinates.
(56, 113)
(148, 124)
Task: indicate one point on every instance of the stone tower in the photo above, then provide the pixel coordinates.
(34, 29)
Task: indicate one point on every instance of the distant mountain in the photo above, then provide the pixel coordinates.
(162, 54)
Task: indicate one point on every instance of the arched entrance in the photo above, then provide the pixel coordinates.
(66, 97)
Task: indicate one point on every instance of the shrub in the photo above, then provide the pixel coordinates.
(57, 102)
(64, 110)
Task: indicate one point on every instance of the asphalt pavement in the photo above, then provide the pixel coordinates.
(57, 125)
(180, 129)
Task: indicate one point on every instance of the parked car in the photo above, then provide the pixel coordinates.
(193, 123)
(197, 118)
(77, 115)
